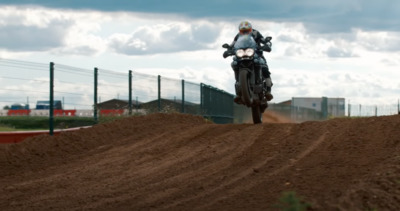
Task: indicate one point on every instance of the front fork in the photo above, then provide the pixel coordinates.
(256, 81)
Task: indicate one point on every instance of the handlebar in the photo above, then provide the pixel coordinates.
(266, 41)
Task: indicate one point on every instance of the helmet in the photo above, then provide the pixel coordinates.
(245, 27)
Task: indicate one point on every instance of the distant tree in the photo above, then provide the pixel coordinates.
(6, 107)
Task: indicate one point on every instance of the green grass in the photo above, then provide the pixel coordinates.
(289, 201)
(3, 128)
(11, 129)
(42, 123)
(28, 123)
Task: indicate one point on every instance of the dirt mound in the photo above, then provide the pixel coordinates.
(183, 162)
(271, 117)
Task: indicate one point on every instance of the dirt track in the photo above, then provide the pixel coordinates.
(182, 162)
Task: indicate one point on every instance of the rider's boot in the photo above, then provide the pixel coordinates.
(268, 94)
(268, 84)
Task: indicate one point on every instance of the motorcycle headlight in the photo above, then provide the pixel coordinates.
(248, 52)
(240, 53)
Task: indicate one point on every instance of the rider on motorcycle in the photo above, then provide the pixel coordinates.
(246, 28)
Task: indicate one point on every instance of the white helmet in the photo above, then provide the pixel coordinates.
(245, 27)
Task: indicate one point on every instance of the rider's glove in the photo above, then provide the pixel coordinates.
(226, 54)
(267, 47)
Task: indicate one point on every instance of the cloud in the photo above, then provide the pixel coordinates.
(391, 62)
(79, 50)
(32, 29)
(166, 38)
(379, 41)
(35, 29)
(67, 32)
(339, 52)
(293, 51)
(330, 84)
(33, 38)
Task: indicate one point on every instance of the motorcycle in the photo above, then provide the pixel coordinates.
(250, 81)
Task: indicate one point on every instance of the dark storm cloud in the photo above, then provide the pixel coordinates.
(318, 16)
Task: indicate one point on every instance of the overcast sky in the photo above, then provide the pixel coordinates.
(337, 48)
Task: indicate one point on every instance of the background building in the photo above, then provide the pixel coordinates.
(333, 107)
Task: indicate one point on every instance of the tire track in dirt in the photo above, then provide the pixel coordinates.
(159, 177)
(181, 162)
(242, 141)
(259, 165)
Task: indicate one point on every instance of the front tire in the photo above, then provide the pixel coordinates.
(256, 114)
(245, 87)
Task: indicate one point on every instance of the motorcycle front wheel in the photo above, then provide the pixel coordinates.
(245, 87)
(256, 114)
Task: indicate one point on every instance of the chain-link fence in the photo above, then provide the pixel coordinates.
(302, 114)
(372, 110)
(28, 89)
(55, 90)
(22, 83)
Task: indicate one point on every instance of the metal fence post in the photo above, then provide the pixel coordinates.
(324, 108)
(159, 93)
(95, 95)
(137, 104)
(130, 92)
(183, 96)
(201, 99)
(292, 111)
(51, 103)
(349, 110)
